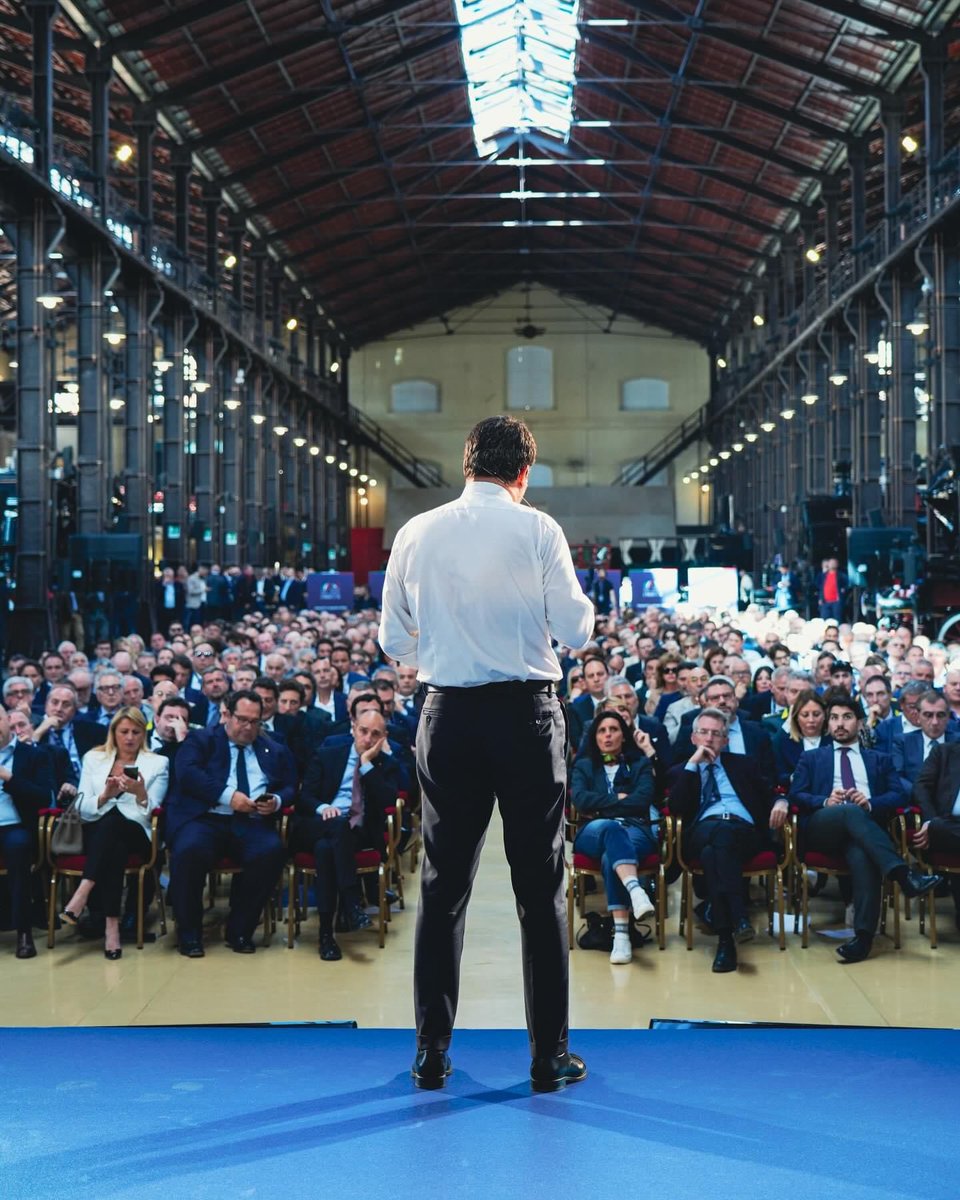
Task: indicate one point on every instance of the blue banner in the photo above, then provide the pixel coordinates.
(331, 591)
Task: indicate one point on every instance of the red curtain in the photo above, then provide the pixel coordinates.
(366, 552)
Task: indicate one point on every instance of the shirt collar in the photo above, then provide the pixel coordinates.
(854, 749)
(488, 492)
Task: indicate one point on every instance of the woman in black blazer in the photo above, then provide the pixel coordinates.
(613, 783)
(805, 732)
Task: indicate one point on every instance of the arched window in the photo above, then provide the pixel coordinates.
(529, 378)
(414, 395)
(644, 395)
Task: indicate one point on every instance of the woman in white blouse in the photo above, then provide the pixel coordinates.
(121, 783)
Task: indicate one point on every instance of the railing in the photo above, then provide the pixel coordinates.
(677, 440)
(850, 274)
(391, 451)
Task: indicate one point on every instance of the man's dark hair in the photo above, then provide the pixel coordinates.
(878, 679)
(174, 702)
(597, 658)
(268, 684)
(932, 696)
(163, 671)
(500, 447)
(292, 685)
(242, 694)
(182, 660)
(687, 665)
(366, 696)
(834, 698)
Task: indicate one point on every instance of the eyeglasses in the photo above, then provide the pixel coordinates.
(710, 733)
(203, 654)
(108, 687)
(669, 670)
(245, 720)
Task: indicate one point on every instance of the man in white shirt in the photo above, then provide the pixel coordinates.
(474, 592)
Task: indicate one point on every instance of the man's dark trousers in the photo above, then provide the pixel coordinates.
(723, 847)
(505, 742)
(847, 831)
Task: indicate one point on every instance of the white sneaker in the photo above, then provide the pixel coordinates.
(622, 951)
(642, 904)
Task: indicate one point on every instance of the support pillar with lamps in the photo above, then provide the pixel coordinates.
(172, 482)
(139, 440)
(145, 130)
(891, 121)
(212, 200)
(933, 64)
(41, 14)
(99, 72)
(203, 434)
(254, 427)
(92, 429)
(228, 544)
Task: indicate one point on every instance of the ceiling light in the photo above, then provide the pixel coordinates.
(233, 405)
(686, 479)
(809, 397)
(714, 462)
(116, 403)
(361, 491)
(334, 367)
(722, 363)
(837, 378)
(343, 466)
(758, 320)
(330, 458)
(314, 450)
(909, 143)
(918, 326)
(230, 262)
(737, 447)
(704, 467)
(724, 454)
(201, 386)
(299, 441)
(872, 357)
(354, 472)
(373, 483)
(364, 500)
(124, 152)
(788, 413)
(364, 477)
(292, 323)
(694, 474)
(163, 364)
(751, 437)
(50, 301)
(114, 337)
(812, 254)
(280, 430)
(767, 426)
(258, 418)
(704, 487)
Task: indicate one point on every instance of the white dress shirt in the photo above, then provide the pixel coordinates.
(255, 776)
(928, 742)
(859, 769)
(475, 590)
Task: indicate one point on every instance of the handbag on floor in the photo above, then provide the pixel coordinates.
(597, 933)
(67, 836)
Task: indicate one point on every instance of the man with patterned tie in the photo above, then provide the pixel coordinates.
(230, 782)
(727, 807)
(846, 796)
(340, 811)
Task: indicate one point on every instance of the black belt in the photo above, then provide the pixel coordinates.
(506, 687)
(726, 816)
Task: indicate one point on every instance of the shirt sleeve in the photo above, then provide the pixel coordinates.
(570, 614)
(398, 630)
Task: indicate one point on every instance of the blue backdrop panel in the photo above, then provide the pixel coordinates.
(298, 1111)
(330, 590)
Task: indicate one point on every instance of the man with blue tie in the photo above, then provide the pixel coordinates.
(846, 796)
(912, 750)
(230, 783)
(726, 807)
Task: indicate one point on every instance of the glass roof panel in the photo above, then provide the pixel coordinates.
(520, 59)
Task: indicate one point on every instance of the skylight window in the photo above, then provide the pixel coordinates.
(519, 57)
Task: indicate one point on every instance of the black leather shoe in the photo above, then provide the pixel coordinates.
(25, 946)
(241, 945)
(726, 957)
(355, 919)
(856, 950)
(744, 931)
(113, 955)
(329, 950)
(431, 1069)
(917, 884)
(552, 1074)
(191, 948)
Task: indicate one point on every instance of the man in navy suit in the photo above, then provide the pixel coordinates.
(340, 811)
(846, 796)
(230, 782)
(26, 786)
(726, 806)
(743, 737)
(912, 750)
(595, 676)
(887, 731)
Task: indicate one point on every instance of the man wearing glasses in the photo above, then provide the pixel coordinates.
(109, 693)
(230, 783)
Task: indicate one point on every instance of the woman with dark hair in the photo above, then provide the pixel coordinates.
(121, 783)
(804, 731)
(613, 783)
(714, 657)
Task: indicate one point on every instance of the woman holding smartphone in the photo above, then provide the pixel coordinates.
(121, 783)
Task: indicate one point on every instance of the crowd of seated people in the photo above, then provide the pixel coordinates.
(738, 725)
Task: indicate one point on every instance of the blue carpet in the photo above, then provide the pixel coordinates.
(712, 1114)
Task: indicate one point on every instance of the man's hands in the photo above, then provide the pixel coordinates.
(847, 796)
(328, 812)
(266, 805)
(702, 754)
(837, 796)
(778, 814)
(369, 755)
(643, 743)
(921, 839)
(240, 802)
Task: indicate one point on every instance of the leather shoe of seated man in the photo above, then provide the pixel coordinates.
(354, 918)
(431, 1069)
(240, 944)
(725, 960)
(25, 946)
(552, 1074)
(918, 884)
(329, 950)
(857, 949)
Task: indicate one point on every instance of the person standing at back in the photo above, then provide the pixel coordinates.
(474, 592)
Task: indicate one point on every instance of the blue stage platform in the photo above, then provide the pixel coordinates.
(292, 1111)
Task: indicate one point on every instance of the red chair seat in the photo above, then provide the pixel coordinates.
(824, 862)
(76, 862)
(939, 858)
(766, 860)
(583, 862)
(305, 861)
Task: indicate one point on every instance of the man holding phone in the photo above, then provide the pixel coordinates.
(230, 782)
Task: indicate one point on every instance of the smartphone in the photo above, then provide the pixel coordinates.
(268, 796)
(132, 771)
